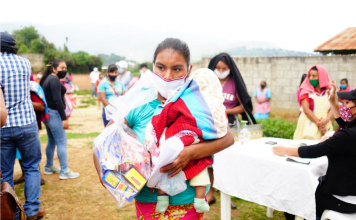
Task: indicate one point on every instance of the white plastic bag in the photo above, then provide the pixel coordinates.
(124, 162)
(172, 186)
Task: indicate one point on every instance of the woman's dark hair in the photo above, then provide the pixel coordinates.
(224, 60)
(314, 68)
(347, 81)
(176, 45)
(143, 65)
(49, 69)
(8, 49)
(303, 78)
(264, 83)
(112, 68)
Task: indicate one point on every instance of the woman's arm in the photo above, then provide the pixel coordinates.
(3, 111)
(198, 151)
(282, 151)
(237, 109)
(308, 112)
(102, 97)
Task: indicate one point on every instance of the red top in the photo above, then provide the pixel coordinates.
(310, 100)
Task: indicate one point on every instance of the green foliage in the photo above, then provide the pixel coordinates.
(278, 128)
(110, 59)
(83, 92)
(28, 40)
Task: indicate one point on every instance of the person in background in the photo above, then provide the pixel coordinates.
(314, 121)
(298, 92)
(336, 190)
(19, 132)
(3, 112)
(110, 87)
(38, 76)
(96, 88)
(54, 92)
(344, 87)
(125, 76)
(263, 95)
(94, 76)
(69, 79)
(41, 110)
(144, 70)
(69, 98)
(236, 100)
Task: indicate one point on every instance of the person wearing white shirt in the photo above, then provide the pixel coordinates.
(125, 75)
(144, 70)
(94, 76)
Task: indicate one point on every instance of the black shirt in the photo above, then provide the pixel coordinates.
(340, 149)
(54, 91)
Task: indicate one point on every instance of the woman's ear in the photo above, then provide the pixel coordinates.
(54, 70)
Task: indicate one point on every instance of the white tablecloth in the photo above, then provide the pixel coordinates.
(252, 172)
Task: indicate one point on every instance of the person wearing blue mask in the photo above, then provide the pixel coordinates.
(344, 87)
(110, 87)
(125, 76)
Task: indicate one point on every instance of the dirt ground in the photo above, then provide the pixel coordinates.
(82, 81)
(85, 197)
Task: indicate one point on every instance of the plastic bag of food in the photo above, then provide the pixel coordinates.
(124, 161)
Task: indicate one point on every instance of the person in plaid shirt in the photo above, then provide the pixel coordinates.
(20, 130)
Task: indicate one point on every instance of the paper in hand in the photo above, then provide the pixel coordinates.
(168, 153)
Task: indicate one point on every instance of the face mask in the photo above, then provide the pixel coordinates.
(112, 78)
(222, 75)
(39, 76)
(165, 85)
(263, 86)
(342, 86)
(313, 82)
(141, 71)
(346, 113)
(62, 74)
(120, 70)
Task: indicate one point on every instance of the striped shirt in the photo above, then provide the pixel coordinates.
(15, 72)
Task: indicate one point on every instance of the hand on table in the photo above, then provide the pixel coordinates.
(279, 150)
(178, 164)
(324, 138)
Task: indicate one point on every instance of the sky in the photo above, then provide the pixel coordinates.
(133, 28)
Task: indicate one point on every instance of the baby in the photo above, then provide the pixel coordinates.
(193, 114)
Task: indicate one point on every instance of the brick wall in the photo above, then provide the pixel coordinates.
(283, 75)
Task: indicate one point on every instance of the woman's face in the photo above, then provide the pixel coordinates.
(344, 83)
(61, 67)
(222, 67)
(314, 75)
(114, 73)
(170, 64)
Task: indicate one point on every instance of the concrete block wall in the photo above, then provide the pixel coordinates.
(35, 59)
(283, 75)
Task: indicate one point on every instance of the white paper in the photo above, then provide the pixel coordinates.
(168, 153)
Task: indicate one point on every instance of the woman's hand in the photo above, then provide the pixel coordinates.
(332, 96)
(322, 123)
(279, 150)
(65, 124)
(179, 163)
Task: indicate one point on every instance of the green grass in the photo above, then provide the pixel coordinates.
(83, 92)
(44, 138)
(87, 101)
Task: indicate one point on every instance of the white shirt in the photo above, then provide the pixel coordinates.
(94, 76)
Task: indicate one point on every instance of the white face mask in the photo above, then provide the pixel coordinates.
(39, 76)
(222, 75)
(165, 85)
(141, 71)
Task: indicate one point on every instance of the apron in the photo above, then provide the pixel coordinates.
(307, 129)
(264, 107)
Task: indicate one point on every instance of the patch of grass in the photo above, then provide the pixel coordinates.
(83, 92)
(82, 106)
(90, 101)
(75, 125)
(44, 138)
(19, 189)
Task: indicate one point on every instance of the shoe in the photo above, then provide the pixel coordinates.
(212, 201)
(42, 182)
(68, 175)
(233, 205)
(52, 170)
(39, 215)
(20, 180)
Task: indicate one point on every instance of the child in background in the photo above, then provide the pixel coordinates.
(344, 87)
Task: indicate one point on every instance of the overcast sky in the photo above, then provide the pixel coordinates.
(134, 28)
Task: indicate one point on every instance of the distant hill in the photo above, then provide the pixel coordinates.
(269, 52)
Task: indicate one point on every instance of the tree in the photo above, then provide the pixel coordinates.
(26, 35)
